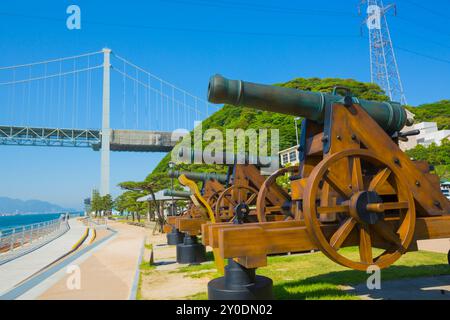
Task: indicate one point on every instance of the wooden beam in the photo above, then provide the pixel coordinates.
(191, 226)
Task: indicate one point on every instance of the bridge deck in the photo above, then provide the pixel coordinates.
(121, 140)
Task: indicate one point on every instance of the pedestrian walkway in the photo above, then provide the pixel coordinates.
(426, 288)
(108, 272)
(17, 270)
(435, 245)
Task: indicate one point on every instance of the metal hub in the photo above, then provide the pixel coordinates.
(358, 207)
(241, 211)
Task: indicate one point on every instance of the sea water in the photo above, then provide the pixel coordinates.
(18, 220)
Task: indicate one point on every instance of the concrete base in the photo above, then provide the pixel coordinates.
(190, 251)
(174, 237)
(240, 283)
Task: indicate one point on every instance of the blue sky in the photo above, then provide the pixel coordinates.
(186, 41)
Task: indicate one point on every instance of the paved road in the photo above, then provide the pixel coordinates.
(19, 269)
(426, 288)
(108, 272)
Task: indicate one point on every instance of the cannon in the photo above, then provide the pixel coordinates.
(235, 200)
(228, 158)
(177, 193)
(174, 236)
(199, 176)
(188, 249)
(390, 116)
(354, 187)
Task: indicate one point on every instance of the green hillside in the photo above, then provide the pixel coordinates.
(230, 117)
(438, 112)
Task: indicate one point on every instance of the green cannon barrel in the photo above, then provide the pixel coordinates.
(391, 116)
(199, 176)
(177, 193)
(228, 158)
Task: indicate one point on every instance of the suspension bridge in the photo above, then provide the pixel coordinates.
(96, 100)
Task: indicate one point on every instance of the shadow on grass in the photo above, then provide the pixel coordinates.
(326, 286)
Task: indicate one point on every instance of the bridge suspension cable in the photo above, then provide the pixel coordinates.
(158, 103)
(66, 92)
(50, 93)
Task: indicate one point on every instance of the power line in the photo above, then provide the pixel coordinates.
(417, 23)
(423, 55)
(437, 13)
(197, 30)
(423, 38)
(263, 8)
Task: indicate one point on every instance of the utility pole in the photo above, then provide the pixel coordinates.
(383, 63)
(106, 130)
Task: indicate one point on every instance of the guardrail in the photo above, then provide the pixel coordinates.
(96, 223)
(16, 242)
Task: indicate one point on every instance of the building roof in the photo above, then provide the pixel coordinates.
(289, 149)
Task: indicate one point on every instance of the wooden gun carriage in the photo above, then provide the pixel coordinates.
(212, 185)
(236, 200)
(353, 186)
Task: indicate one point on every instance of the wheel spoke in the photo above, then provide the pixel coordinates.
(333, 209)
(342, 233)
(365, 245)
(230, 201)
(357, 177)
(337, 185)
(384, 229)
(379, 179)
(250, 199)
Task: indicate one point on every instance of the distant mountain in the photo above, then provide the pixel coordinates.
(8, 205)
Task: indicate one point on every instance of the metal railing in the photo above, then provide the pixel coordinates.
(16, 242)
(96, 223)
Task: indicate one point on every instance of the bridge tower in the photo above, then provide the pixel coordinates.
(106, 129)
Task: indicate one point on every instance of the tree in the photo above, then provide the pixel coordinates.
(120, 203)
(438, 156)
(107, 204)
(96, 202)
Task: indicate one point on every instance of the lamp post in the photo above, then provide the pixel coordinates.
(296, 129)
(171, 166)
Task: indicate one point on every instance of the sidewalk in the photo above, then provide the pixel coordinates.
(428, 288)
(19, 269)
(108, 272)
(435, 245)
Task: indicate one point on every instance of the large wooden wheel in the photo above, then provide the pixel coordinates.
(235, 198)
(372, 203)
(262, 208)
(212, 200)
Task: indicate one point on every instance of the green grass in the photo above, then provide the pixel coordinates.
(198, 296)
(314, 276)
(138, 293)
(145, 267)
